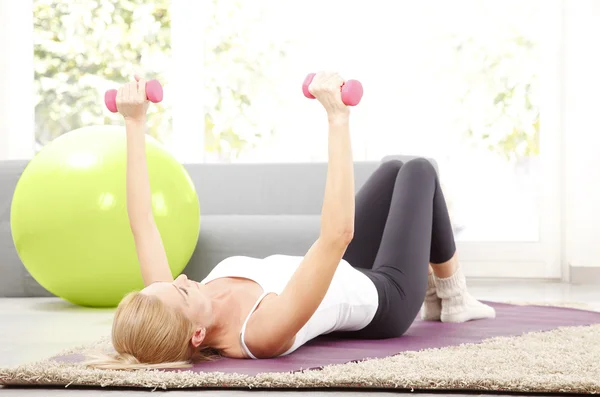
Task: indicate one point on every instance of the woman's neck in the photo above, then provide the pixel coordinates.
(223, 334)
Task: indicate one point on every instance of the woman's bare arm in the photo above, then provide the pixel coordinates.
(272, 328)
(132, 104)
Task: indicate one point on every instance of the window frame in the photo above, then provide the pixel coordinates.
(542, 259)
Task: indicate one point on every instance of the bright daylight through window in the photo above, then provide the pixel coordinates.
(462, 88)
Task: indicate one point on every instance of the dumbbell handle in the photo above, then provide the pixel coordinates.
(154, 93)
(352, 90)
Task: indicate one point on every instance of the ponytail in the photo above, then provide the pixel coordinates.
(126, 361)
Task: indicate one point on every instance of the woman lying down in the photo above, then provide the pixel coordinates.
(380, 258)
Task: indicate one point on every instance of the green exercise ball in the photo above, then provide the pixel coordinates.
(69, 215)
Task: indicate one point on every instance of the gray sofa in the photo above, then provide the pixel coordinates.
(246, 209)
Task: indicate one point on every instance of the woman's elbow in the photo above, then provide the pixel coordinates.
(346, 238)
(342, 236)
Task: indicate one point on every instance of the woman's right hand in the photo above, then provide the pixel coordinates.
(131, 100)
(326, 87)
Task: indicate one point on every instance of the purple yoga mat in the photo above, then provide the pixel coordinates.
(511, 320)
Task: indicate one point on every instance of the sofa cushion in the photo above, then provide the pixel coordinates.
(259, 236)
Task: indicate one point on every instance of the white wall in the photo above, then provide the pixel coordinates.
(186, 143)
(16, 79)
(581, 123)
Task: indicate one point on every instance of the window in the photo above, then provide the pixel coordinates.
(83, 48)
(470, 83)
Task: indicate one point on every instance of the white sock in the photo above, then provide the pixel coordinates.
(458, 305)
(432, 305)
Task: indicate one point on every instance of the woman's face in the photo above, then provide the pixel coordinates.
(186, 295)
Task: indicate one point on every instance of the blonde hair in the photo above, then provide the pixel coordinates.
(146, 333)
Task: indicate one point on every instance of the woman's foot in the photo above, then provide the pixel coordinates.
(458, 305)
(432, 305)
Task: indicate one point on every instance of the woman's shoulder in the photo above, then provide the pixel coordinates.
(228, 267)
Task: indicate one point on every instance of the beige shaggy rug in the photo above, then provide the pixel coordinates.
(565, 360)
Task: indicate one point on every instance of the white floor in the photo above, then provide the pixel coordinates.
(35, 328)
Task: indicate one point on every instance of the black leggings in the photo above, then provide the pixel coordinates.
(401, 225)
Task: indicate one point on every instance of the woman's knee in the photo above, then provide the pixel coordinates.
(420, 166)
(392, 165)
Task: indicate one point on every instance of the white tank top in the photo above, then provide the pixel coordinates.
(349, 304)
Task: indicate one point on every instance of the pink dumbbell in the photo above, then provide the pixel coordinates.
(154, 93)
(352, 90)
